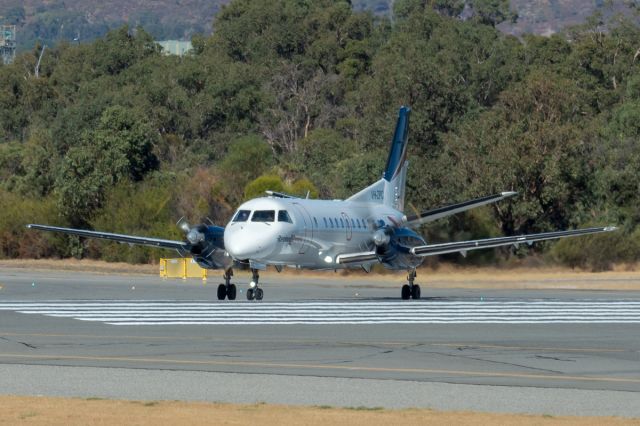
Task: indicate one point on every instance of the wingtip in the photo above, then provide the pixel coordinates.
(610, 228)
(506, 194)
(29, 226)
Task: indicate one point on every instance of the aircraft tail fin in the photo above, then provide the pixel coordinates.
(390, 190)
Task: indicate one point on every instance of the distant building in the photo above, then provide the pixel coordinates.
(7, 43)
(175, 47)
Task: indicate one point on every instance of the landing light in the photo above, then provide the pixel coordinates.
(328, 259)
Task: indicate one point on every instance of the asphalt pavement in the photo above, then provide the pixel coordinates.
(320, 340)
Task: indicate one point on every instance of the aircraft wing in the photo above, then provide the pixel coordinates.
(464, 246)
(121, 238)
(440, 212)
(357, 258)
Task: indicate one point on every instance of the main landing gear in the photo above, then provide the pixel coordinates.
(227, 289)
(411, 290)
(254, 292)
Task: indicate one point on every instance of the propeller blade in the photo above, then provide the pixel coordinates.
(184, 225)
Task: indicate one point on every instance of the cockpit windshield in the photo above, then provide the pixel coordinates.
(283, 216)
(241, 216)
(263, 216)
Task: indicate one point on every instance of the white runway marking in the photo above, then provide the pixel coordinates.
(158, 312)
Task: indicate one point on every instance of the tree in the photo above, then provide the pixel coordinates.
(248, 157)
(493, 12)
(257, 187)
(120, 148)
(531, 142)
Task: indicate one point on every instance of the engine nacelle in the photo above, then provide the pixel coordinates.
(396, 253)
(207, 247)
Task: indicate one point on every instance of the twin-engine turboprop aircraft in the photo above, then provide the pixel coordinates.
(365, 229)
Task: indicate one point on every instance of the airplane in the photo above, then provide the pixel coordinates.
(368, 228)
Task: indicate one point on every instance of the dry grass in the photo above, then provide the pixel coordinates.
(74, 411)
(84, 265)
(623, 277)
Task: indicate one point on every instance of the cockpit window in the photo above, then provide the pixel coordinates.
(242, 216)
(283, 216)
(263, 216)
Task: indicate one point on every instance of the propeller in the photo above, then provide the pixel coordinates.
(194, 235)
(206, 244)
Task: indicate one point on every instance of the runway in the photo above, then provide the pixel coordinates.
(321, 341)
(167, 312)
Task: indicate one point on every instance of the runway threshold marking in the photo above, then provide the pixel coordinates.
(322, 367)
(325, 313)
(311, 341)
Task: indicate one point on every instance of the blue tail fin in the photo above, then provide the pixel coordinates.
(398, 153)
(390, 189)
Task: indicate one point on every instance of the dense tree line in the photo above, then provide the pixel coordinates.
(302, 96)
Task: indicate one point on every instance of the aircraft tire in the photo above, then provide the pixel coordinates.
(259, 294)
(415, 292)
(231, 292)
(222, 292)
(406, 292)
(250, 294)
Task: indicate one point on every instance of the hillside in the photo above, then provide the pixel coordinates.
(86, 20)
(545, 17)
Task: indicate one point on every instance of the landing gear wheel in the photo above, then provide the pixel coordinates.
(254, 292)
(231, 292)
(406, 292)
(415, 292)
(222, 292)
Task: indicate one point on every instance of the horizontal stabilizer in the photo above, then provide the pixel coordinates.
(128, 239)
(440, 212)
(357, 258)
(464, 246)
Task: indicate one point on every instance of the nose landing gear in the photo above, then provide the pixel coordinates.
(254, 292)
(227, 289)
(411, 290)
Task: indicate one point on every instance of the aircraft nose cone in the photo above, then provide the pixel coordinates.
(243, 244)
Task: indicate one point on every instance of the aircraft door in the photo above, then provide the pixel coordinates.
(305, 227)
(348, 228)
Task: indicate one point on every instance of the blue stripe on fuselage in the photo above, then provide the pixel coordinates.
(398, 152)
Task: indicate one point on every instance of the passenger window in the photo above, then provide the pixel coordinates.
(326, 224)
(341, 222)
(331, 221)
(241, 216)
(315, 221)
(353, 223)
(283, 216)
(263, 216)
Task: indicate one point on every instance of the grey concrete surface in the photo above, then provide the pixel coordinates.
(308, 390)
(567, 368)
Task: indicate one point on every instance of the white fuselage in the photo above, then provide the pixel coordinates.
(309, 235)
